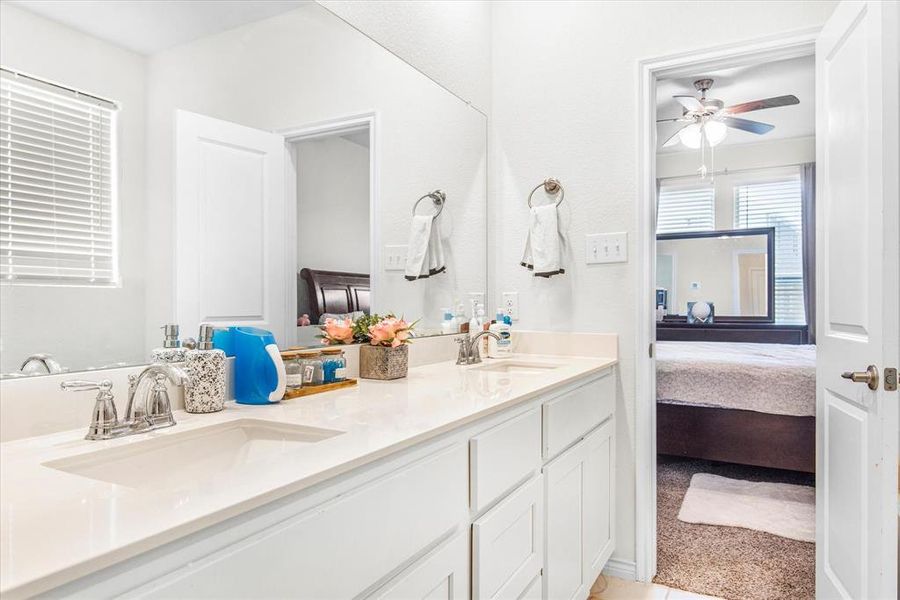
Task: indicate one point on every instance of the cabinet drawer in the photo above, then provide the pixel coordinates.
(569, 416)
(442, 575)
(507, 544)
(339, 549)
(502, 457)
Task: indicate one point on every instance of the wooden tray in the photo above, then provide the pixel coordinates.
(318, 389)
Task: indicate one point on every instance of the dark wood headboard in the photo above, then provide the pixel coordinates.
(335, 292)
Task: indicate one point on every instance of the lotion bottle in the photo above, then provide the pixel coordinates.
(206, 372)
(501, 348)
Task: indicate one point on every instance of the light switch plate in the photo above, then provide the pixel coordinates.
(394, 258)
(510, 305)
(604, 248)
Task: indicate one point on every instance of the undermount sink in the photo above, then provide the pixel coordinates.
(519, 367)
(183, 458)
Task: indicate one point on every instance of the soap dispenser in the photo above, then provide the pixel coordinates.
(206, 371)
(171, 350)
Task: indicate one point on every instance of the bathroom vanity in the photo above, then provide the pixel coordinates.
(495, 480)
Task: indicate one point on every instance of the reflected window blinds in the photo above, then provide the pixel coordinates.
(57, 185)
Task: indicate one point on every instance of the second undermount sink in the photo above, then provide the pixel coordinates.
(518, 367)
(180, 458)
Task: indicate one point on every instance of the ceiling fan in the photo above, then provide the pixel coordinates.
(709, 118)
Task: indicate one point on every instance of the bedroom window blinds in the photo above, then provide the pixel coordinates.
(777, 203)
(57, 217)
(686, 208)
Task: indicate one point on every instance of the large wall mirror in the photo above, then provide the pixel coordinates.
(732, 271)
(259, 165)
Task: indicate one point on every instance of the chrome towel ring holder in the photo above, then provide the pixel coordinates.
(552, 187)
(438, 198)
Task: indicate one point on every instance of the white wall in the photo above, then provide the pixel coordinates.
(82, 326)
(564, 96)
(448, 40)
(307, 66)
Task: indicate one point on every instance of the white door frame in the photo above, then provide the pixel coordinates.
(319, 129)
(780, 47)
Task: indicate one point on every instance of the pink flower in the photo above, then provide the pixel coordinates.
(391, 332)
(338, 331)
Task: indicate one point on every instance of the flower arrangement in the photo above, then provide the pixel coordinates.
(375, 330)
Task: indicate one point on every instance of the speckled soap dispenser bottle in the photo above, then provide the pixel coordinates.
(205, 367)
(171, 350)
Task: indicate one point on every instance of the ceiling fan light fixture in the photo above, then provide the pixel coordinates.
(690, 136)
(715, 132)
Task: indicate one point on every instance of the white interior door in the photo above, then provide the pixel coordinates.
(229, 197)
(857, 297)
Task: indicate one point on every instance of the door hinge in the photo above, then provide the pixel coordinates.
(890, 379)
(650, 350)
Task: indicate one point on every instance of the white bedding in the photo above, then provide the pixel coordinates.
(770, 378)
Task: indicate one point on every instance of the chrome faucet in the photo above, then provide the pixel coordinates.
(46, 360)
(154, 412)
(468, 347)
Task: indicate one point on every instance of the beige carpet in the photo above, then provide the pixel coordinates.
(729, 562)
(783, 509)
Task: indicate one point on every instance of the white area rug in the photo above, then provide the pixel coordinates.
(778, 508)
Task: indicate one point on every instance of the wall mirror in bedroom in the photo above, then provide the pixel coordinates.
(732, 271)
(233, 162)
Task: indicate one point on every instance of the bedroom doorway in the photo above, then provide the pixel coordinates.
(330, 257)
(734, 381)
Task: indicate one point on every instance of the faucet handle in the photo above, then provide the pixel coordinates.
(105, 419)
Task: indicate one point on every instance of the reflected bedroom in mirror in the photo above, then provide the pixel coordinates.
(271, 169)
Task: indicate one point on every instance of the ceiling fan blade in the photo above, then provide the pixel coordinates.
(747, 125)
(761, 104)
(689, 102)
(675, 120)
(673, 139)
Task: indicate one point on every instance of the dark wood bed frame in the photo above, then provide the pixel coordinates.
(335, 292)
(737, 436)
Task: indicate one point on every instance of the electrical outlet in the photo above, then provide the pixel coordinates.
(510, 305)
(603, 248)
(394, 258)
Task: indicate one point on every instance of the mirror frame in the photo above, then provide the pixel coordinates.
(769, 232)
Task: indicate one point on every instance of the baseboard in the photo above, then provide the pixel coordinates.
(623, 569)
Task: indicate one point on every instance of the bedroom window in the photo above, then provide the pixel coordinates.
(686, 208)
(777, 203)
(57, 211)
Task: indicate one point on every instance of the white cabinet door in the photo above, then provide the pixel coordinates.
(507, 545)
(579, 515)
(599, 500)
(229, 225)
(442, 575)
(857, 278)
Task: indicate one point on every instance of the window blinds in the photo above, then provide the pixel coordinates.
(778, 204)
(684, 208)
(57, 221)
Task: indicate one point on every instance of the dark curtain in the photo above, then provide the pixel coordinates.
(808, 198)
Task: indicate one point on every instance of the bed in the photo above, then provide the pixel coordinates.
(743, 403)
(332, 292)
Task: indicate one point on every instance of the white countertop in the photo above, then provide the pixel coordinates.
(56, 527)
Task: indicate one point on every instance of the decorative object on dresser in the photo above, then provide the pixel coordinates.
(701, 313)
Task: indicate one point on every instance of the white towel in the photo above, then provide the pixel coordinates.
(542, 248)
(425, 255)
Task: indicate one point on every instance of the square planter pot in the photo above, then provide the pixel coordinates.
(383, 362)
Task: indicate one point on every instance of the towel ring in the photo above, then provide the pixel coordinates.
(552, 187)
(438, 198)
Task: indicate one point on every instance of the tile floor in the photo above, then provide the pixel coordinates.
(613, 588)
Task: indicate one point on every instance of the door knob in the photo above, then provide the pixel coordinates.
(869, 376)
